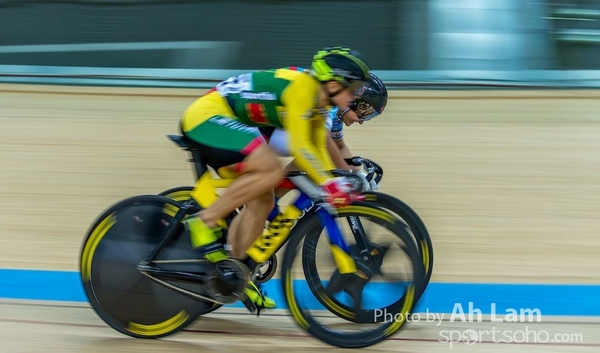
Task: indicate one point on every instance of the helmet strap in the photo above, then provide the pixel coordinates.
(343, 112)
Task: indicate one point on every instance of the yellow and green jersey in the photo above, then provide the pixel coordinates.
(286, 98)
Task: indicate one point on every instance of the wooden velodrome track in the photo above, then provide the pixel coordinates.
(508, 183)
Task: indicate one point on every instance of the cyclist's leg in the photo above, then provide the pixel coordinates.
(228, 141)
(249, 224)
(290, 167)
(260, 172)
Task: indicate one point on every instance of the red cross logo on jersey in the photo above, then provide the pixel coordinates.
(256, 112)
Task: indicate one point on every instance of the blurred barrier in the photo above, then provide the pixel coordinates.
(182, 54)
(410, 43)
(198, 78)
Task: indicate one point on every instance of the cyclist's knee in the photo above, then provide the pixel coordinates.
(266, 200)
(262, 203)
(276, 174)
(264, 161)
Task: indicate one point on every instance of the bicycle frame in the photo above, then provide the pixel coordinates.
(280, 227)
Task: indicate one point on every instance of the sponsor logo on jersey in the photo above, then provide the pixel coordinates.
(265, 96)
(233, 124)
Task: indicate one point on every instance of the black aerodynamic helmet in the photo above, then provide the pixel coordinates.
(373, 99)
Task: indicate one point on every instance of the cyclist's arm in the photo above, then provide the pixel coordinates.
(336, 154)
(306, 129)
(337, 135)
(343, 148)
(320, 140)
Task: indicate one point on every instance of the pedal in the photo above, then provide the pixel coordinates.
(249, 304)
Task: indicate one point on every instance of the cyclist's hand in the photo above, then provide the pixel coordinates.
(374, 185)
(338, 192)
(354, 161)
(367, 185)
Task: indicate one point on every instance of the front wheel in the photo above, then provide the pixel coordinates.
(329, 309)
(416, 225)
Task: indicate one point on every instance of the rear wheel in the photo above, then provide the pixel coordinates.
(182, 194)
(127, 300)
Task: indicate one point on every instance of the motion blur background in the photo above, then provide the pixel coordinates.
(490, 134)
(410, 40)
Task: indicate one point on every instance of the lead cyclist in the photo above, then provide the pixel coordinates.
(370, 105)
(223, 124)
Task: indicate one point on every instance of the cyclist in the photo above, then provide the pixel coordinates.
(370, 105)
(224, 124)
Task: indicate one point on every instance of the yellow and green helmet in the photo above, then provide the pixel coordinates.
(340, 64)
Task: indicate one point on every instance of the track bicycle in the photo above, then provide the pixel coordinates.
(374, 171)
(141, 277)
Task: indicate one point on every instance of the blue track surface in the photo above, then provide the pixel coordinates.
(496, 299)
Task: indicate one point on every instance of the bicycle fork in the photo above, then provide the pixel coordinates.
(339, 248)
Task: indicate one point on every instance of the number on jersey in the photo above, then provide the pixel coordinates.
(235, 84)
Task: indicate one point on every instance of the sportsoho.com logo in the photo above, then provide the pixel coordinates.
(523, 315)
(472, 336)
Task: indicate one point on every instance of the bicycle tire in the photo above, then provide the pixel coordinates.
(306, 321)
(422, 240)
(178, 193)
(405, 212)
(121, 296)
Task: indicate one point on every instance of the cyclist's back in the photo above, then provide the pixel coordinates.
(231, 113)
(269, 94)
(262, 98)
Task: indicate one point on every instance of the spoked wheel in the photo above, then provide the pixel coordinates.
(417, 227)
(126, 299)
(343, 310)
(371, 255)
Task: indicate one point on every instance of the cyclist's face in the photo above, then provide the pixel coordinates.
(350, 118)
